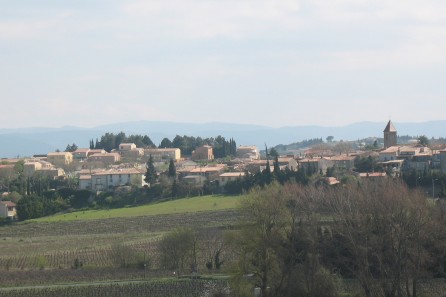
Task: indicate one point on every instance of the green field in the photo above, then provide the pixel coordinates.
(185, 205)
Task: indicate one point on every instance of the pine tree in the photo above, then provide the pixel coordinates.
(150, 176)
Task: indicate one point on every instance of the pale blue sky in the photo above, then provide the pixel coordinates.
(277, 63)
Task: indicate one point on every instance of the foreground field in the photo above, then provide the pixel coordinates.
(57, 245)
(167, 288)
(194, 204)
(81, 246)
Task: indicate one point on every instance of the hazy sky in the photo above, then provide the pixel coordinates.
(277, 63)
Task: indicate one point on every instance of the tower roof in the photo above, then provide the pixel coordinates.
(390, 127)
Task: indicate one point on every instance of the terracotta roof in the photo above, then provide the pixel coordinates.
(59, 153)
(390, 150)
(9, 203)
(390, 127)
(342, 158)
(104, 154)
(313, 160)
(161, 149)
(207, 169)
(96, 151)
(119, 171)
(232, 174)
(82, 150)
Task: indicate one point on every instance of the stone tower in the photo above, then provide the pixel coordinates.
(389, 135)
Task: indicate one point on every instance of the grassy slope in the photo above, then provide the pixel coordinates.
(194, 204)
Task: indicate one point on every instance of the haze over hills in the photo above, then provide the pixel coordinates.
(40, 140)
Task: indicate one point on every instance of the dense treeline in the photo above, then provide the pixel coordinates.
(49, 202)
(266, 177)
(37, 204)
(303, 240)
(110, 141)
(221, 147)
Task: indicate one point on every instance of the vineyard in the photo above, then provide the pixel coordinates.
(178, 288)
(185, 205)
(48, 253)
(155, 223)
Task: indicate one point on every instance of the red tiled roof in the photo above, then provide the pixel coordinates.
(9, 203)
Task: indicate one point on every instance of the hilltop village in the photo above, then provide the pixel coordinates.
(323, 218)
(126, 168)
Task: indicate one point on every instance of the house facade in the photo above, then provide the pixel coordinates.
(204, 152)
(127, 146)
(60, 158)
(315, 165)
(109, 179)
(42, 168)
(209, 173)
(163, 154)
(248, 152)
(8, 209)
(130, 151)
(81, 154)
(343, 162)
(226, 177)
(107, 158)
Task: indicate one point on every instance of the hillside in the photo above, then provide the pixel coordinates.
(30, 141)
(185, 205)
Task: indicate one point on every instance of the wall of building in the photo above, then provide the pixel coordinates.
(443, 161)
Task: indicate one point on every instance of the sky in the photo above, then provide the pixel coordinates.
(275, 63)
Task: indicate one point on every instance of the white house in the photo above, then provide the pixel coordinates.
(7, 209)
(107, 180)
(226, 177)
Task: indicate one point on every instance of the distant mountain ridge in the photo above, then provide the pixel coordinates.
(40, 140)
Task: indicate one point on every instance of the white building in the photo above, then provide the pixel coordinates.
(248, 152)
(163, 154)
(109, 179)
(7, 209)
(226, 177)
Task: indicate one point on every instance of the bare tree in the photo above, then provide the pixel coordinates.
(279, 244)
(177, 249)
(383, 225)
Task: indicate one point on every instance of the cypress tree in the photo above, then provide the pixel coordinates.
(276, 165)
(150, 176)
(172, 170)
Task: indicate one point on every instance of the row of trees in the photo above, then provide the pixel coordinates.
(49, 202)
(266, 177)
(187, 144)
(300, 240)
(110, 141)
